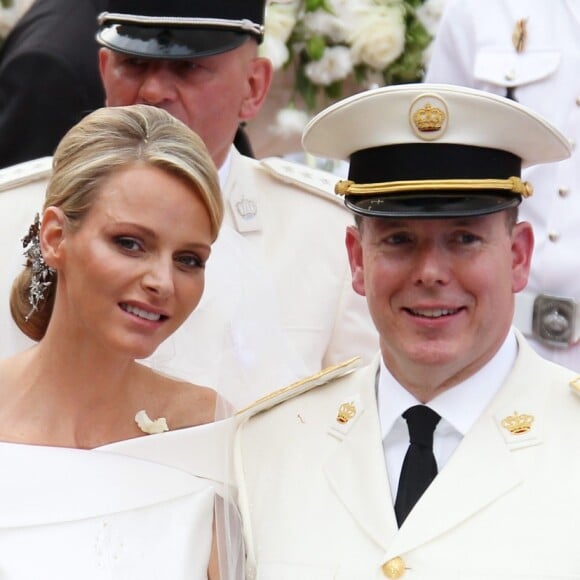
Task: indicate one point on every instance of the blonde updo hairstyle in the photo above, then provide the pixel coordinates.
(106, 141)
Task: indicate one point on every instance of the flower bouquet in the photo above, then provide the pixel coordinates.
(323, 50)
(334, 47)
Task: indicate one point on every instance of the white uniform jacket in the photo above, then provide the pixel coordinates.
(314, 492)
(474, 47)
(298, 230)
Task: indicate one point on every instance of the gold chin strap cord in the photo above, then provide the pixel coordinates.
(513, 184)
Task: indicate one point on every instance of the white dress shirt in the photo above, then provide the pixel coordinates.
(459, 408)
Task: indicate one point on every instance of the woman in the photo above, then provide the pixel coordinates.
(116, 265)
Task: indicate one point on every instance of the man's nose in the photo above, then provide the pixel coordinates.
(158, 85)
(432, 266)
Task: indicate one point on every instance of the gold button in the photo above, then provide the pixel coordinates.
(553, 236)
(563, 191)
(394, 568)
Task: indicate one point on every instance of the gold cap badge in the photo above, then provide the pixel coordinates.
(518, 424)
(428, 118)
(346, 412)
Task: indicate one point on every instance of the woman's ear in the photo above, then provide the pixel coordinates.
(52, 235)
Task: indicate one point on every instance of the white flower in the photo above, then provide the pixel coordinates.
(322, 23)
(378, 38)
(335, 65)
(9, 16)
(430, 13)
(290, 121)
(348, 10)
(280, 19)
(150, 426)
(275, 50)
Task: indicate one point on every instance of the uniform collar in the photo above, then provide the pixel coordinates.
(224, 170)
(459, 406)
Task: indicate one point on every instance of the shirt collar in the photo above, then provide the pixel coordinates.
(224, 170)
(461, 405)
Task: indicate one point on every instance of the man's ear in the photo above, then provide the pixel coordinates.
(52, 235)
(104, 60)
(522, 249)
(259, 80)
(355, 258)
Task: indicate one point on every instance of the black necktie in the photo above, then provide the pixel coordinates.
(419, 466)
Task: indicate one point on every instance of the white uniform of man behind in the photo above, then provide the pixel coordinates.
(531, 49)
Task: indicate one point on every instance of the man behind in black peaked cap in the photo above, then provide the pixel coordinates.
(183, 30)
(198, 59)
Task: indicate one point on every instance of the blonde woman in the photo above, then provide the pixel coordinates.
(115, 264)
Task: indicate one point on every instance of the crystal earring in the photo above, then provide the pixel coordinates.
(42, 274)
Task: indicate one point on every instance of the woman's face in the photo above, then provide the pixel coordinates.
(133, 271)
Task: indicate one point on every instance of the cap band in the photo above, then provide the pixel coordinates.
(243, 25)
(512, 184)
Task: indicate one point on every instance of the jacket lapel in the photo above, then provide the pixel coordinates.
(480, 472)
(356, 470)
(482, 469)
(242, 197)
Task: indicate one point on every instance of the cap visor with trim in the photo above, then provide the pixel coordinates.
(168, 43)
(429, 205)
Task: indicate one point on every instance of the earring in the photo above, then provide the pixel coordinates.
(42, 274)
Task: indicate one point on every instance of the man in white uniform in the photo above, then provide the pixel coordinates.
(281, 254)
(454, 454)
(530, 50)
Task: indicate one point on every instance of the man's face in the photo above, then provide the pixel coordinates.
(440, 292)
(210, 94)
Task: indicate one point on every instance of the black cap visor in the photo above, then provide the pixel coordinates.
(169, 43)
(431, 205)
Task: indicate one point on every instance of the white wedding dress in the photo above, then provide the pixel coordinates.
(137, 509)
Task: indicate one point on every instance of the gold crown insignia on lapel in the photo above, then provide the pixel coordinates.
(518, 424)
(346, 412)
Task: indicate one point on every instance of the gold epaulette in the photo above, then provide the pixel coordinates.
(297, 388)
(304, 177)
(575, 385)
(25, 173)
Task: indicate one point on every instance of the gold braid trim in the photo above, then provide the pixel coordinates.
(514, 184)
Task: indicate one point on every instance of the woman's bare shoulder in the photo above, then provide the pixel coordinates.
(183, 404)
